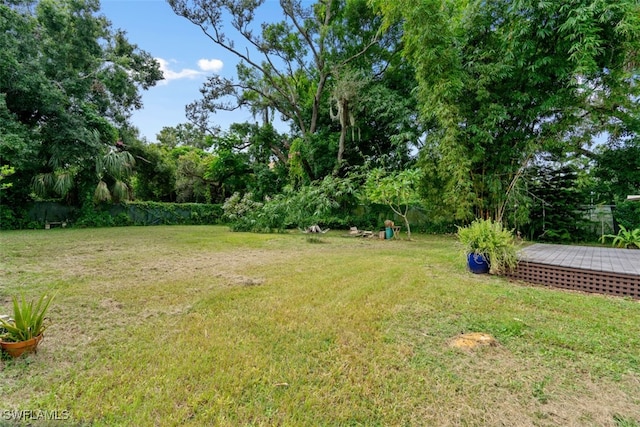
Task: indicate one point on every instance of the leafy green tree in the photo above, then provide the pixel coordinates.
(155, 172)
(210, 177)
(191, 183)
(259, 151)
(345, 95)
(288, 65)
(503, 81)
(376, 90)
(398, 190)
(228, 172)
(68, 82)
(184, 134)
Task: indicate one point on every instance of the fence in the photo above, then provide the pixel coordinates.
(133, 213)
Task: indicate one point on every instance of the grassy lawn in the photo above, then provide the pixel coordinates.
(199, 326)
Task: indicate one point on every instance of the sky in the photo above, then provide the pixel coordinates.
(186, 57)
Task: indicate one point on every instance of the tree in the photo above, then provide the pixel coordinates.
(155, 172)
(506, 80)
(68, 82)
(398, 190)
(191, 182)
(184, 134)
(286, 66)
(204, 177)
(344, 95)
(227, 173)
(261, 150)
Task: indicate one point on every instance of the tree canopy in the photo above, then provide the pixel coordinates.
(507, 80)
(68, 83)
(298, 67)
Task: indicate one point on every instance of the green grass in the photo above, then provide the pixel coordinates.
(199, 326)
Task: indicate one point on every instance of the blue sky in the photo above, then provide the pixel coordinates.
(186, 56)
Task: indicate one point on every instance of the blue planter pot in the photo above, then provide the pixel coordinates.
(477, 263)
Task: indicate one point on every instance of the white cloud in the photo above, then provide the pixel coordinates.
(214, 65)
(169, 74)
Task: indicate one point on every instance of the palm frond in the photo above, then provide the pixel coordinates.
(118, 164)
(63, 182)
(120, 191)
(41, 183)
(102, 193)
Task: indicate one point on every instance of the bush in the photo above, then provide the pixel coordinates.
(93, 216)
(324, 203)
(13, 218)
(244, 213)
(629, 239)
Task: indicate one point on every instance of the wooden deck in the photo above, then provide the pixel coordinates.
(584, 268)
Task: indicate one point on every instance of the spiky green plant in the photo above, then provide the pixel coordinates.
(624, 239)
(115, 163)
(28, 319)
(60, 181)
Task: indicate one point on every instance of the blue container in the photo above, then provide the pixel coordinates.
(388, 232)
(478, 264)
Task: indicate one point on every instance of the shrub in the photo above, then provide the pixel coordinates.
(629, 239)
(242, 212)
(323, 203)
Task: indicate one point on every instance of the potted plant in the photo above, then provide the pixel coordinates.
(489, 247)
(22, 333)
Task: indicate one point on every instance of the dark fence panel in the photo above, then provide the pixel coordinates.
(47, 214)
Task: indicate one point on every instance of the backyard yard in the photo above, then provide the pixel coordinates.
(196, 325)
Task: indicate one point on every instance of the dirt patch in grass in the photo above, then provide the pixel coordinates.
(473, 340)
